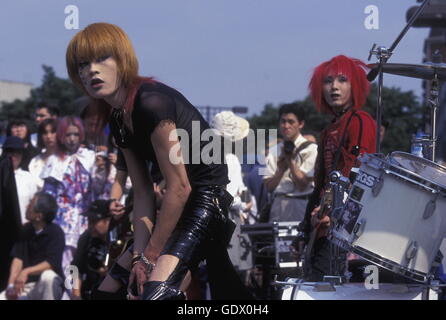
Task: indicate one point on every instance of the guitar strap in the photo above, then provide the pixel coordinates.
(355, 150)
(336, 257)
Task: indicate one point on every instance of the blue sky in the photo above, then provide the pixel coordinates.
(216, 52)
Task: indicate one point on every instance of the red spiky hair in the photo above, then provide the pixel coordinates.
(353, 69)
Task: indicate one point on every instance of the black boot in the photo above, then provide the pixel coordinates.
(159, 290)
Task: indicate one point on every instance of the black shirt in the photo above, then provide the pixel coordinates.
(47, 245)
(89, 258)
(90, 254)
(155, 102)
(10, 221)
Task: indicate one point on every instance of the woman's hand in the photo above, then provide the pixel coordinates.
(113, 157)
(138, 275)
(11, 293)
(315, 221)
(151, 252)
(117, 209)
(19, 283)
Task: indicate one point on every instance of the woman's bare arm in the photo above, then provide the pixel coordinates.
(143, 205)
(177, 187)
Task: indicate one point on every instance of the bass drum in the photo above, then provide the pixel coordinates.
(395, 214)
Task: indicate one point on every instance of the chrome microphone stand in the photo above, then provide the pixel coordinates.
(383, 54)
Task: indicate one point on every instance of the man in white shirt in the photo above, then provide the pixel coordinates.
(290, 167)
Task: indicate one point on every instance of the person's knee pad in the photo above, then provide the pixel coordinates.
(160, 290)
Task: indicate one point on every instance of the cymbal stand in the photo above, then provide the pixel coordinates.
(434, 103)
(383, 54)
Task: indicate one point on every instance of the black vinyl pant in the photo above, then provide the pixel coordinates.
(202, 233)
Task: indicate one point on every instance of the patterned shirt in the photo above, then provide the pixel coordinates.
(72, 190)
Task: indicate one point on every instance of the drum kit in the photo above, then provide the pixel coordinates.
(393, 215)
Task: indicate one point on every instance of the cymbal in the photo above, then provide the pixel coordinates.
(420, 71)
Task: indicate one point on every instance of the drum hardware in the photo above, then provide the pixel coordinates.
(358, 229)
(322, 286)
(376, 189)
(417, 166)
(383, 55)
(411, 251)
(434, 103)
(334, 280)
(296, 289)
(430, 207)
(391, 266)
(400, 236)
(340, 186)
(427, 71)
(418, 181)
(375, 162)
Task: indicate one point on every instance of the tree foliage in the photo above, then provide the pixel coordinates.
(53, 90)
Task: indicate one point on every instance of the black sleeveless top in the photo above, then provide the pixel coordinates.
(155, 102)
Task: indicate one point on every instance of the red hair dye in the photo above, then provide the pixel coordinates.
(353, 69)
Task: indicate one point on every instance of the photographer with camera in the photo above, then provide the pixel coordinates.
(290, 167)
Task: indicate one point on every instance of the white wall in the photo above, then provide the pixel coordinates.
(9, 90)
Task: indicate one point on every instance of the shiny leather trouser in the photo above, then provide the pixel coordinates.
(203, 232)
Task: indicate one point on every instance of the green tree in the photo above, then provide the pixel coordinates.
(403, 112)
(53, 90)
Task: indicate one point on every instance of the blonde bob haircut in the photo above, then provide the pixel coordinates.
(100, 40)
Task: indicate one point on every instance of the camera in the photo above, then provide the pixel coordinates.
(288, 147)
(245, 196)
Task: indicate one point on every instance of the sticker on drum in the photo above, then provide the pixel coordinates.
(357, 193)
(366, 179)
(401, 226)
(349, 216)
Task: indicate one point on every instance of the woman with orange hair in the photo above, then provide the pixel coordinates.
(145, 117)
(338, 87)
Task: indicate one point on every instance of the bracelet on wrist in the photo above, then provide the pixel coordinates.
(136, 258)
(149, 264)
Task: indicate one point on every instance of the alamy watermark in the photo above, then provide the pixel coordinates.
(372, 279)
(71, 277)
(208, 147)
(72, 18)
(371, 22)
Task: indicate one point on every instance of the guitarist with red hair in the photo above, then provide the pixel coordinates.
(339, 88)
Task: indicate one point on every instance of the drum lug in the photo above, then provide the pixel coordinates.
(412, 250)
(430, 208)
(358, 229)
